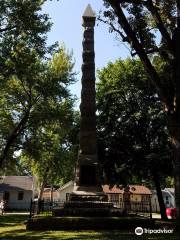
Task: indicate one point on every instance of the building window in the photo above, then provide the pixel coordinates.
(20, 195)
(6, 196)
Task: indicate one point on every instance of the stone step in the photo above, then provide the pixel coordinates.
(89, 196)
(87, 204)
(88, 212)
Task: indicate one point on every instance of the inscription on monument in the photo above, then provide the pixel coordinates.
(88, 175)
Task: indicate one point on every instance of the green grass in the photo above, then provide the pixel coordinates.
(13, 227)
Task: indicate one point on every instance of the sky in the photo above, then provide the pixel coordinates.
(66, 16)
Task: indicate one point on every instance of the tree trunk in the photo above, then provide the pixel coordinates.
(160, 197)
(13, 136)
(175, 139)
(51, 196)
(174, 118)
(43, 184)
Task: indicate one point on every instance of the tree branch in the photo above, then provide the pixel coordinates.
(132, 1)
(138, 48)
(6, 29)
(165, 35)
(124, 38)
(13, 136)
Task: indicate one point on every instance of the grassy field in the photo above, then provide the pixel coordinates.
(13, 227)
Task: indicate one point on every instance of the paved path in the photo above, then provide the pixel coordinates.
(156, 216)
(16, 213)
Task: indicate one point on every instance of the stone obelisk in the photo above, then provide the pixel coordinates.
(87, 169)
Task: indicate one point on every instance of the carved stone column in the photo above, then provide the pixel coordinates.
(87, 170)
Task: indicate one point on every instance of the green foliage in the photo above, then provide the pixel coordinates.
(22, 51)
(170, 182)
(50, 152)
(37, 118)
(46, 145)
(23, 31)
(132, 128)
(151, 28)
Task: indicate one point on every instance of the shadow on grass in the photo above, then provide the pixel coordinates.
(12, 219)
(81, 235)
(12, 228)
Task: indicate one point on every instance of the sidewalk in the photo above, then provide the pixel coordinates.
(156, 215)
(16, 213)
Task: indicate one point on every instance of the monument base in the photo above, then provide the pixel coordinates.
(88, 193)
(89, 201)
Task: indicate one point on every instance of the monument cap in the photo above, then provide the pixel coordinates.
(89, 13)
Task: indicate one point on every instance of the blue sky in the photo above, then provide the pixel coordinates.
(66, 16)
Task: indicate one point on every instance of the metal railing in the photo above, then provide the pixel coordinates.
(45, 207)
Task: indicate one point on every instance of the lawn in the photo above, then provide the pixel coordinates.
(13, 227)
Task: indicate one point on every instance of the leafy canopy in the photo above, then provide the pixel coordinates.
(132, 128)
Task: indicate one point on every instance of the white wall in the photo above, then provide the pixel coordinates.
(63, 192)
(168, 198)
(23, 204)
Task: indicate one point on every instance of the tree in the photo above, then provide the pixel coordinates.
(21, 25)
(50, 150)
(132, 127)
(22, 49)
(35, 99)
(139, 29)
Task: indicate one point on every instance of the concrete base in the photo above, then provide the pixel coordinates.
(88, 212)
(87, 223)
(86, 201)
(88, 193)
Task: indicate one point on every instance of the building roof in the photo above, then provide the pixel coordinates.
(171, 190)
(66, 185)
(16, 183)
(134, 189)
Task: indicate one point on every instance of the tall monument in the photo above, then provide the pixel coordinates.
(87, 178)
(87, 198)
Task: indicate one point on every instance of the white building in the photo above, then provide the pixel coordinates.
(168, 197)
(17, 191)
(65, 190)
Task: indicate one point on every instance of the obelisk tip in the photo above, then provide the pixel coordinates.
(89, 12)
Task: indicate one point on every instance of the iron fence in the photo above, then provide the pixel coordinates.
(143, 208)
(45, 207)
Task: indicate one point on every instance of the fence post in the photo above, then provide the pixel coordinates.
(30, 209)
(150, 208)
(38, 206)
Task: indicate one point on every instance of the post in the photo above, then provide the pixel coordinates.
(150, 209)
(30, 210)
(51, 196)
